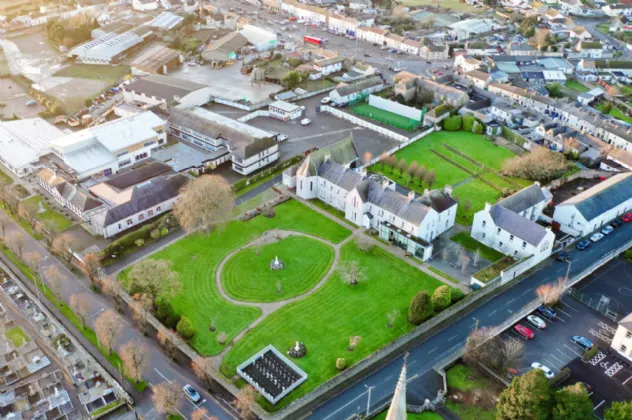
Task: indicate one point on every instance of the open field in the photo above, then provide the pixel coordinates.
(197, 257)
(92, 71)
(5, 179)
(572, 84)
(325, 320)
(50, 217)
(476, 393)
(617, 113)
(247, 275)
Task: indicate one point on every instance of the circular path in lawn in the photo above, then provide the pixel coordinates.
(247, 277)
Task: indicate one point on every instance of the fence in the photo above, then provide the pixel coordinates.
(362, 123)
(259, 113)
(400, 146)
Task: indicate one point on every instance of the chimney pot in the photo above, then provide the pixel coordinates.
(411, 194)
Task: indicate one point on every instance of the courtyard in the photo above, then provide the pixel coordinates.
(468, 162)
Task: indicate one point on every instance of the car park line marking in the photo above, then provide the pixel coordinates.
(562, 362)
(560, 319)
(626, 381)
(561, 269)
(550, 363)
(571, 358)
(164, 377)
(566, 304)
(346, 405)
(565, 313)
(492, 312)
(599, 405)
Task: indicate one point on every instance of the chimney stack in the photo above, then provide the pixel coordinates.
(448, 190)
(411, 195)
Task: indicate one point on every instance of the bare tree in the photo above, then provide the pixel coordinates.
(246, 398)
(477, 257)
(412, 169)
(512, 352)
(401, 166)
(142, 306)
(420, 174)
(465, 262)
(476, 348)
(27, 214)
(169, 341)
(166, 397)
(154, 278)
(206, 201)
(540, 164)
(16, 242)
(112, 288)
(430, 178)
(392, 316)
(135, 357)
(92, 267)
(551, 293)
(354, 340)
(53, 278)
(351, 273)
(202, 414)
(62, 246)
(205, 368)
(571, 145)
(3, 229)
(79, 305)
(32, 259)
(364, 243)
(108, 327)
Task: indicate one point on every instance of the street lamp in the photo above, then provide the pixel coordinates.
(368, 401)
(476, 326)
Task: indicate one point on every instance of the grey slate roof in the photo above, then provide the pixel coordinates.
(603, 197)
(136, 176)
(337, 174)
(360, 86)
(530, 232)
(400, 205)
(163, 87)
(147, 195)
(523, 199)
(342, 152)
(626, 322)
(438, 200)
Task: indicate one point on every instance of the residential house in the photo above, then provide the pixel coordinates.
(372, 34)
(328, 66)
(590, 49)
(348, 92)
(465, 64)
(160, 89)
(479, 78)
(410, 46)
(145, 5)
(521, 49)
(510, 225)
(69, 194)
(622, 341)
(432, 51)
(597, 206)
(360, 4)
(343, 25)
(597, 66)
(588, 148)
(479, 49)
(619, 9)
(553, 15)
(285, 111)
(587, 98)
(392, 40)
(618, 160)
(443, 93)
(571, 6)
(580, 33)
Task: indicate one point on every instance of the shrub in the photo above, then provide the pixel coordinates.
(341, 364)
(628, 255)
(164, 231)
(269, 212)
(172, 320)
(185, 328)
(139, 242)
(589, 354)
(441, 298)
(468, 123)
(155, 234)
(164, 311)
(452, 123)
(456, 294)
(561, 376)
(479, 128)
(420, 308)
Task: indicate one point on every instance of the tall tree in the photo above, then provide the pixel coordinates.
(166, 397)
(32, 259)
(291, 80)
(205, 368)
(16, 242)
(528, 397)
(551, 293)
(351, 273)
(246, 398)
(79, 305)
(53, 277)
(401, 166)
(206, 201)
(155, 278)
(135, 356)
(141, 308)
(169, 341)
(430, 178)
(62, 246)
(411, 170)
(92, 267)
(202, 414)
(420, 174)
(112, 288)
(108, 327)
(572, 403)
(619, 410)
(420, 308)
(540, 164)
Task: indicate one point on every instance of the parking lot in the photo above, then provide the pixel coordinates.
(553, 348)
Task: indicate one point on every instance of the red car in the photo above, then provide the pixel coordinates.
(627, 217)
(524, 331)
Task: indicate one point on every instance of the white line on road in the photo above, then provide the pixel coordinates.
(345, 406)
(550, 363)
(492, 312)
(566, 304)
(599, 405)
(566, 355)
(452, 338)
(164, 377)
(511, 301)
(560, 319)
(573, 351)
(433, 350)
(565, 313)
(561, 361)
(626, 381)
(388, 378)
(412, 363)
(527, 291)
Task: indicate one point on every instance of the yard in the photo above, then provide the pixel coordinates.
(476, 147)
(384, 117)
(471, 244)
(325, 320)
(5, 179)
(491, 272)
(247, 275)
(475, 394)
(50, 217)
(616, 113)
(93, 71)
(197, 257)
(575, 85)
(17, 336)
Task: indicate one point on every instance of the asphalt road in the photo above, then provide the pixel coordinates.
(591, 25)
(423, 357)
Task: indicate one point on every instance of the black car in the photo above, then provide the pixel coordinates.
(616, 223)
(367, 55)
(563, 256)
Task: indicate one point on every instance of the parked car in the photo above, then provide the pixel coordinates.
(596, 237)
(191, 393)
(281, 137)
(563, 256)
(367, 55)
(547, 372)
(547, 312)
(325, 100)
(607, 230)
(395, 69)
(627, 217)
(524, 331)
(582, 342)
(536, 321)
(306, 121)
(581, 245)
(616, 223)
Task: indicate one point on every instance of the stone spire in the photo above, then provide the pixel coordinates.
(397, 410)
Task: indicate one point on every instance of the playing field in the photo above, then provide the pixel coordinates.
(385, 117)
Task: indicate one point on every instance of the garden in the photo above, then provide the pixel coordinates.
(50, 217)
(467, 161)
(471, 396)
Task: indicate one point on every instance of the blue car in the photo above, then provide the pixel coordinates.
(583, 244)
(582, 342)
(547, 312)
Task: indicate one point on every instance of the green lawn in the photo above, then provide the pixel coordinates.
(471, 412)
(56, 220)
(572, 84)
(329, 209)
(5, 179)
(478, 193)
(462, 378)
(196, 258)
(617, 113)
(385, 117)
(325, 320)
(426, 415)
(94, 71)
(464, 239)
(17, 336)
(455, 5)
(497, 181)
(247, 276)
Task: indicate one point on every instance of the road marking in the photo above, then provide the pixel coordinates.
(452, 338)
(345, 406)
(550, 363)
(561, 269)
(433, 350)
(388, 378)
(566, 304)
(492, 312)
(626, 381)
(412, 363)
(473, 325)
(599, 405)
(561, 361)
(560, 319)
(572, 350)
(565, 313)
(527, 291)
(571, 358)
(511, 301)
(164, 377)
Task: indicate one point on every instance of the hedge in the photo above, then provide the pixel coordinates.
(456, 294)
(589, 354)
(420, 308)
(564, 374)
(452, 123)
(441, 298)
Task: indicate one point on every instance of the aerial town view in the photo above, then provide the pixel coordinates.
(316, 209)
